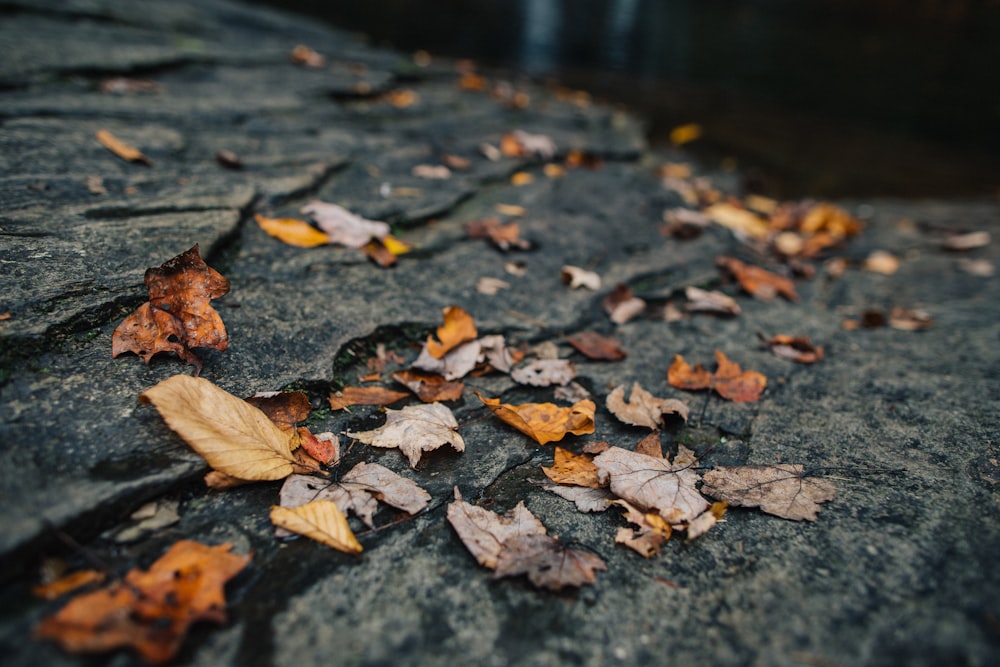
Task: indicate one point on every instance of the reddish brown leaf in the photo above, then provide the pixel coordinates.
(284, 408)
(796, 348)
(758, 282)
(729, 380)
(429, 387)
(349, 396)
(595, 346)
(324, 450)
(504, 237)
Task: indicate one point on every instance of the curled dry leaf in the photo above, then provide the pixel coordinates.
(544, 372)
(544, 422)
(597, 347)
(574, 469)
(642, 408)
(179, 315)
(234, 437)
(344, 227)
(151, 610)
(575, 277)
(307, 57)
(704, 521)
(758, 282)
(415, 429)
(881, 261)
(503, 236)
(649, 534)
(795, 348)
(349, 396)
(906, 319)
(704, 301)
(324, 448)
(458, 328)
(484, 532)
(320, 520)
(293, 232)
(743, 223)
(121, 149)
(547, 562)
(781, 490)
(729, 380)
(455, 364)
(284, 408)
(491, 286)
(429, 387)
(496, 353)
(967, 241)
(652, 483)
(621, 305)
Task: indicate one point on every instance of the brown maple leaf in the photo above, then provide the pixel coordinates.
(597, 347)
(150, 610)
(781, 489)
(729, 380)
(429, 387)
(758, 282)
(178, 316)
(547, 562)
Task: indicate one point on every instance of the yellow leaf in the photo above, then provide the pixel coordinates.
(395, 246)
(683, 134)
(544, 422)
(233, 436)
(320, 520)
(293, 232)
(121, 149)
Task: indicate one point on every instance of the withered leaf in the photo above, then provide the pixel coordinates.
(299, 490)
(574, 469)
(524, 144)
(484, 532)
(740, 221)
(415, 429)
(575, 277)
(597, 347)
(491, 286)
(497, 354)
(67, 584)
(967, 241)
(621, 305)
(652, 483)
(649, 534)
(151, 610)
(795, 348)
(389, 487)
(571, 393)
(703, 301)
(429, 387)
(320, 520)
(121, 149)
(544, 372)
(642, 408)
(779, 489)
(233, 436)
(307, 57)
(586, 499)
(906, 319)
(758, 282)
(503, 236)
(544, 422)
(547, 562)
(293, 232)
(323, 447)
(650, 446)
(344, 227)
(455, 364)
(178, 316)
(284, 408)
(349, 396)
(458, 328)
(881, 261)
(729, 380)
(704, 521)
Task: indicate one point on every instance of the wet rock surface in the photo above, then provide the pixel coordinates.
(898, 569)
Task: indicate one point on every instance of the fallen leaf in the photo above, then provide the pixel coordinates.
(587, 500)
(547, 562)
(284, 408)
(415, 429)
(95, 185)
(824, 218)
(967, 241)
(683, 134)
(491, 286)
(150, 611)
(303, 55)
(524, 144)
(703, 301)
(324, 448)
(121, 149)
(484, 532)
(544, 372)
(649, 534)
(575, 277)
(228, 159)
(429, 387)
(349, 396)
(495, 352)
(458, 328)
(521, 178)
(456, 364)
(544, 422)
(434, 172)
(233, 436)
(651, 483)
(293, 232)
(574, 469)
(503, 236)
(795, 348)
(178, 315)
(597, 347)
(906, 319)
(389, 487)
(761, 284)
(621, 305)
(684, 223)
(650, 446)
(983, 268)
(781, 490)
(729, 380)
(512, 210)
(403, 98)
(881, 261)
(148, 518)
(738, 220)
(704, 521)
(320, 520)
(121, 85)
(642, 408)
(67, 584)
(571, 393)
(343, 227)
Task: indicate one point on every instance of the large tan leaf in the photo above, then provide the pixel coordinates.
(319, 520)
(779, 489)
(547, 562)
(414, 430)
(233, 436)
(652, 483)
(483, 532)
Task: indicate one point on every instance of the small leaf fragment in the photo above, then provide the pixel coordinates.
(597, 347)
(575, 277)
(293, 232)
(621, 305)
(429, 387)
(544, 372)
(758, 282)
(121, 149)
(795, 348)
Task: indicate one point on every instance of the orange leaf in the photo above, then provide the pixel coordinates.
(796, 348)
(67, 584)
(429, 387)
(121, 149)
(364, 396)
(729, 380)
(458, 328)
(575, 469)
(322, 450)
(761, 284)
(544, 422)
(151, 610)
(293, 232)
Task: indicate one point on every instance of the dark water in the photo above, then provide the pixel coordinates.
(818, 97)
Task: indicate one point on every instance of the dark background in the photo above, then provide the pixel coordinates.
(812, 97)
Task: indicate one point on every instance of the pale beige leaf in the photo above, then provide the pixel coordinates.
(779, 489)
(354, 498)
(344, 227)
(494, 351)
(484, 532)
(704, 521)
(319, 520)
(390, 488)
(455, 364)
(575, 277)
(547, 562)
(233, 436)
(652, 483)
(704, 301)
(642, 408)
(586, 499)
(415, 429)
(544, 372)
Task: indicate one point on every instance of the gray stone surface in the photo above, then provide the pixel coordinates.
(899, 568)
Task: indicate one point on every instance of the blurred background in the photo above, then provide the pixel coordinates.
(827, 98)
